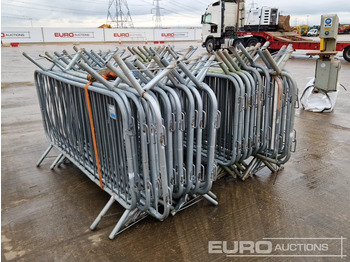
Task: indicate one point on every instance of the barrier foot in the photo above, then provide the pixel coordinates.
(179, 205)
(212, 195)
(102, 213)
(184, 203)
(47, 151)
(210, 199)
(119, 225)
(61, 161)
(60, 156)
(128, 219)
(259, 166)
(269, 166)
(247, 173)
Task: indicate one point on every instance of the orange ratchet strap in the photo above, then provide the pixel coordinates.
(92, 127)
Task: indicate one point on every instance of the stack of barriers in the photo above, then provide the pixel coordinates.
(133, 128)
(258, 106)
(149, 126)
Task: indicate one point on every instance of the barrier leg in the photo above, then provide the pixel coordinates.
(61, 161)
(56, 161)
(210, 199)
(102, 213)
(182, 201)
(120, 223)
(212, 195)
(269, 166)
(44, 155)
(249, 169)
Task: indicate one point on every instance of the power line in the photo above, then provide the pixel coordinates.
(16, 16)
(179, 14)
(41, 4)
(20, 17)
(183, 6)
(181, 9)
(52, 8)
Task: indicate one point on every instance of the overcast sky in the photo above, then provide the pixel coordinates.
(92, 13)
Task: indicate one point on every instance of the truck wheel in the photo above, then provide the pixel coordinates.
(346, 53)
(252, 41)
(209, 45)
(237, 42)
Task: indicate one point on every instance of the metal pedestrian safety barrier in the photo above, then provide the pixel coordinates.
(258, 105)
(154, 127)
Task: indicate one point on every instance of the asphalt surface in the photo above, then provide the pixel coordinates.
(46, 214)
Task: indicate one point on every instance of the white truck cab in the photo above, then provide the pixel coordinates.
(221, 22)
(224, 18)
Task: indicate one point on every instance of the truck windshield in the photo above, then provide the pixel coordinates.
(206, 19)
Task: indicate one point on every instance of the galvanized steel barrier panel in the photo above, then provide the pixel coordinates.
(154, 127)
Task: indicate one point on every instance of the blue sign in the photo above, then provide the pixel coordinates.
(328, 21)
